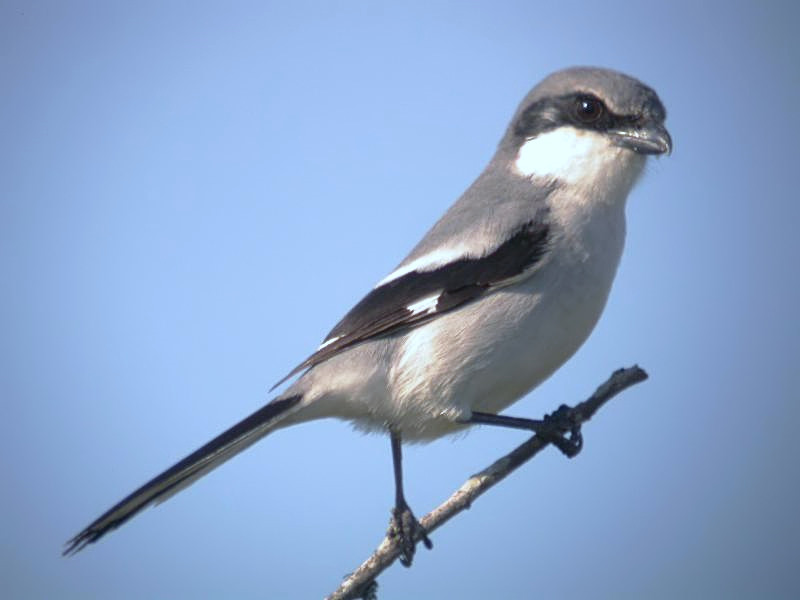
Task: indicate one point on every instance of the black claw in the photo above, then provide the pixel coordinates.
(369, 591)
(366, 591)
(563, 422)
(405, 528)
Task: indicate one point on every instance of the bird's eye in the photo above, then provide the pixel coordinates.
(588, 109)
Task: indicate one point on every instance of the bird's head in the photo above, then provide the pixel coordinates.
(583, 124)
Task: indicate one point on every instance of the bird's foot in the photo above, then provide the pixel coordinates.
(407, 530)
(563, 430)
(368, 591)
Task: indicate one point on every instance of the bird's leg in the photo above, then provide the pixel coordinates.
(554, 427)
(404, 526)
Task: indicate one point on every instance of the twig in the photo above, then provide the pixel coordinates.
(360, 583)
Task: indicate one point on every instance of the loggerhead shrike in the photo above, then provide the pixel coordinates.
(498, 294)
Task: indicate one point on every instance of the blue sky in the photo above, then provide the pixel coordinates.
(192, 194)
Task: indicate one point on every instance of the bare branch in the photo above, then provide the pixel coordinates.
(361, 582)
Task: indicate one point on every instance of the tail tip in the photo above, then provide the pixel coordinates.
(79, 542)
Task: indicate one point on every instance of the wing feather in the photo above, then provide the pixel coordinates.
(396, 305)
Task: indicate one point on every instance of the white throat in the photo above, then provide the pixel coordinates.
(576, 157)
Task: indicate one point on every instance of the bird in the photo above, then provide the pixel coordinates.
(497, 295)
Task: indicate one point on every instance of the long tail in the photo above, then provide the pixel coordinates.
(186, 471)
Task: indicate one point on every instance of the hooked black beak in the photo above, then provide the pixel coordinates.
(650, 138)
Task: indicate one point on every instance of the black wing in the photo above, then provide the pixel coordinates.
(419, 296)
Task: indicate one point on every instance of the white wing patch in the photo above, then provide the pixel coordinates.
(425, 306)
(329, 342)
(427, 262)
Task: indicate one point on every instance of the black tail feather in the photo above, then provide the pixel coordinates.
(184, 472)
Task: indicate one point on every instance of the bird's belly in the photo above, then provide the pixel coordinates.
(487, 355)
(480, 357)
